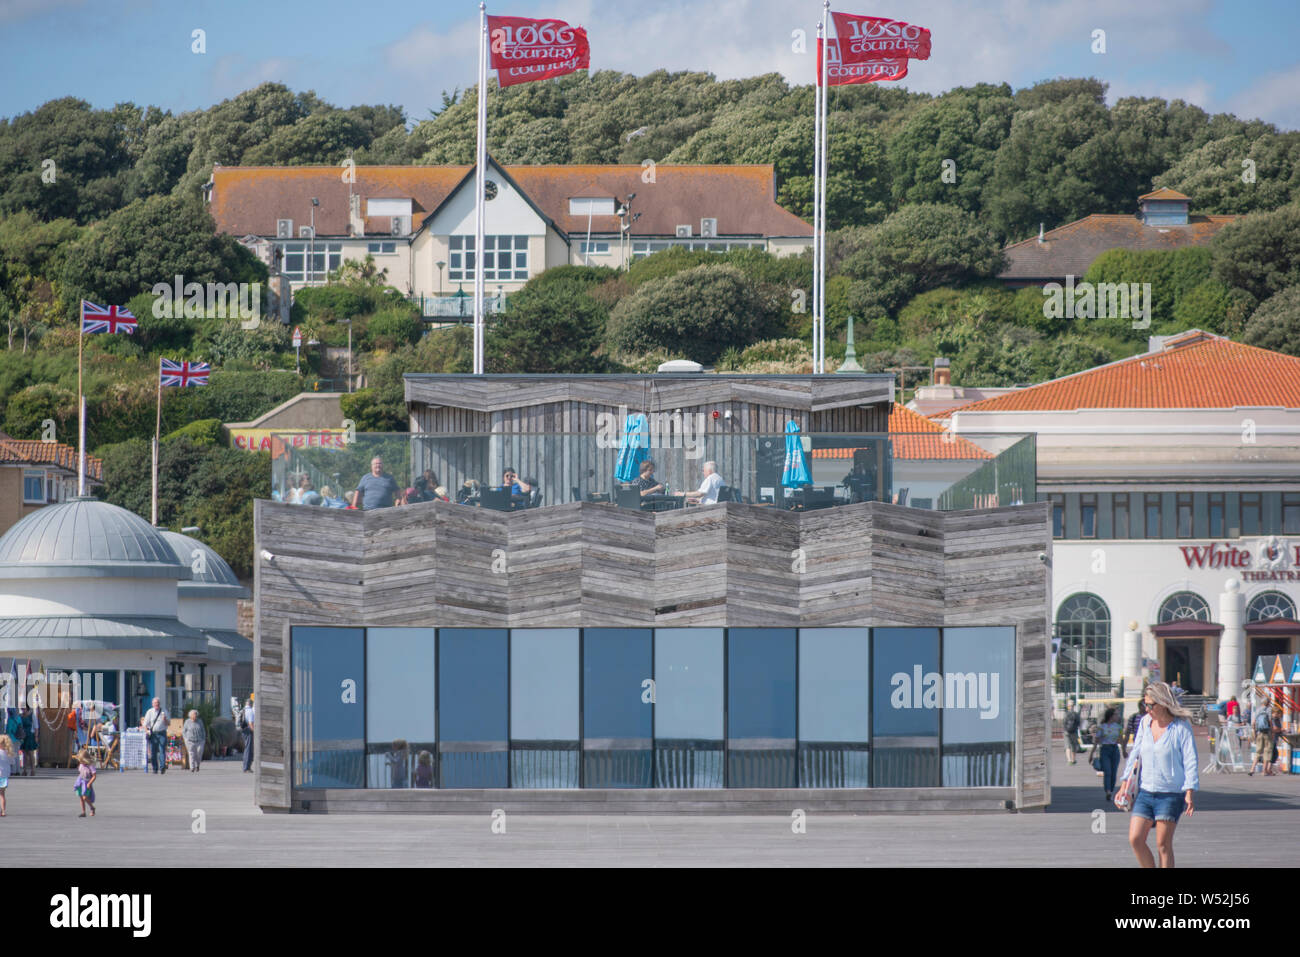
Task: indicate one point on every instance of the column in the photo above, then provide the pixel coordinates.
(1132, 664)
(1232, 645)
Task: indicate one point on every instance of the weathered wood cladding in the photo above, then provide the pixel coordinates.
(511, 395)
(583, 565)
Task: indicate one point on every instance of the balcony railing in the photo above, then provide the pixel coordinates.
(458, 307)
(921, 470)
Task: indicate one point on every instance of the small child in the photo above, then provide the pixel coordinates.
(424, 770)
(85, 786)
(6, 764)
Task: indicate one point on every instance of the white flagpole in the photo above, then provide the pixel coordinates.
(817, 194)
(157, 438)
(821, 263)
(81, 407)
(480, 159)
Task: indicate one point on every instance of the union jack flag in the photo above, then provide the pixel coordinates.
(100, 319)
(184, 373)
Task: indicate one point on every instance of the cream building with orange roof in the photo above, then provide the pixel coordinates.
(1174, 478)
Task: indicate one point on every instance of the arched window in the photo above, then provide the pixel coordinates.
(1184, 606)
(1269, 605)
(1083, 624)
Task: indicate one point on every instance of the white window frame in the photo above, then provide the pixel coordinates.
(381, 251)
(330, 254)
(38, 475)
(461, 261)
(596, 247)
(645, 247)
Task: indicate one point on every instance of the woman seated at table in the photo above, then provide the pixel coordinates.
(646, 482)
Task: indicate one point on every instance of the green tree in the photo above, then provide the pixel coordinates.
(152, 241)
(1276, 323)
(551, 327)
(27, 410)
(1240, 173)
(920, 247)
(1259, 253)
(696, 313)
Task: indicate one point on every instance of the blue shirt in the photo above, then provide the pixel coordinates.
(377, 491)
(1168, 765)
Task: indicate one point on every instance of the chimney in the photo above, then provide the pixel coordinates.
(1040, 233)
(942, 373)
(356, 222)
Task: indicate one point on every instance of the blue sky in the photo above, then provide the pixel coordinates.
(1222, 56)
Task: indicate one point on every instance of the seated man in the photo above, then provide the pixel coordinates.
(378, 489)
(518, 489)
(707, 493)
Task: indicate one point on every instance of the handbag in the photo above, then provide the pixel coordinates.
(1124, 797)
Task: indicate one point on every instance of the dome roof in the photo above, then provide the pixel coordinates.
(215, 576)
(87, 538)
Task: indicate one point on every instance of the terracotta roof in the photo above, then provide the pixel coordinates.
(1213, 373)
(35, 452)
(1070, 249)
(1164, 192)
(247, 200)
(916, 437)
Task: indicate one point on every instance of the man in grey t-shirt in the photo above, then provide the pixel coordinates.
(376, 490)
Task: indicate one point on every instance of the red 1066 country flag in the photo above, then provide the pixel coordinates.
(839, 73)
(184, 373)
(524, 49)
(106, 319)
(871, 39)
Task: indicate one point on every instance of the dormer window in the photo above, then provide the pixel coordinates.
(388, 207)
(1164, 207)
(591, 206)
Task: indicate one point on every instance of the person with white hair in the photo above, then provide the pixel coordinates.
(1162, 788)
(707, 493)
(196, 736)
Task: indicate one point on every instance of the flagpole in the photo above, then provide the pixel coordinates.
(817, 187)
(821, 264)
(81, 407)
(479, 187)
(157, 438)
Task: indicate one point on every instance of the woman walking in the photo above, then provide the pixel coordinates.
(28, 742)
(1105, 749)
(6, 765)
(196, 737)
(1165, 751)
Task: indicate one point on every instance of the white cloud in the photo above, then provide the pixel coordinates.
(11, 11)
(1272, 98)
(233, 74)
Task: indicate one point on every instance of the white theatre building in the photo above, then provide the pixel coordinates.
(1175, 482)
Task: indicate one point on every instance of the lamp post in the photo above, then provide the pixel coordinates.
(311, 256)
(440, 264)
(348, 323)
(626, 219)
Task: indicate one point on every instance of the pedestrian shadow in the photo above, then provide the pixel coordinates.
(1074, 799)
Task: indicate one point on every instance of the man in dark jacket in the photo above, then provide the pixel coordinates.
(1071, 725)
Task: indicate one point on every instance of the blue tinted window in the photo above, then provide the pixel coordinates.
(400, 732)
(544, 708)
(473, 698)
(328, 698)
(979, 714)
(907, 694)
(688, 709)
(761, 718)
(834, 707)
(618, 718)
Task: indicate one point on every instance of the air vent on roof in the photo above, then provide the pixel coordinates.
(284, 229)
(683, 232)
(305, 232)
(401, 225)
(709, 228)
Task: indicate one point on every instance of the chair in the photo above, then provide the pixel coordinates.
(107, 757)
(534, 498)
(629, 497)
(496, 498)
(577, 494)
(725, 494)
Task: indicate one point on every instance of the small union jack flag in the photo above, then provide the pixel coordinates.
(100, 319)
(184, 373)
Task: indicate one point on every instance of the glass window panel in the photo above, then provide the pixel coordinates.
(1250, 513)
(400, 728)
(1088, 516)
(521, 242)
(834, 707)
(1290, 514)
(544, 734)
(905, 691)
(1153, 515)
(689, 720)
(473, 698)
(761, 717)
(1121, 515)
(979, 715)
(1216, 514)
(328, 731)
(1184, 505)
(618, 724)
(456, 242)
(1058, 515)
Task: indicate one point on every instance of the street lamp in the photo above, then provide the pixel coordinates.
(440, 265)
(311, 258)
(626, 219)
(348, 323)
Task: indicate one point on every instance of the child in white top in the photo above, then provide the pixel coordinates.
(6, 763)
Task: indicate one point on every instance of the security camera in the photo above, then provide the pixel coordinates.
(1042, 557)
(727, 415)
(267, 556)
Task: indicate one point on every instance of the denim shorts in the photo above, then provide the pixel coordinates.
(1159, 805)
